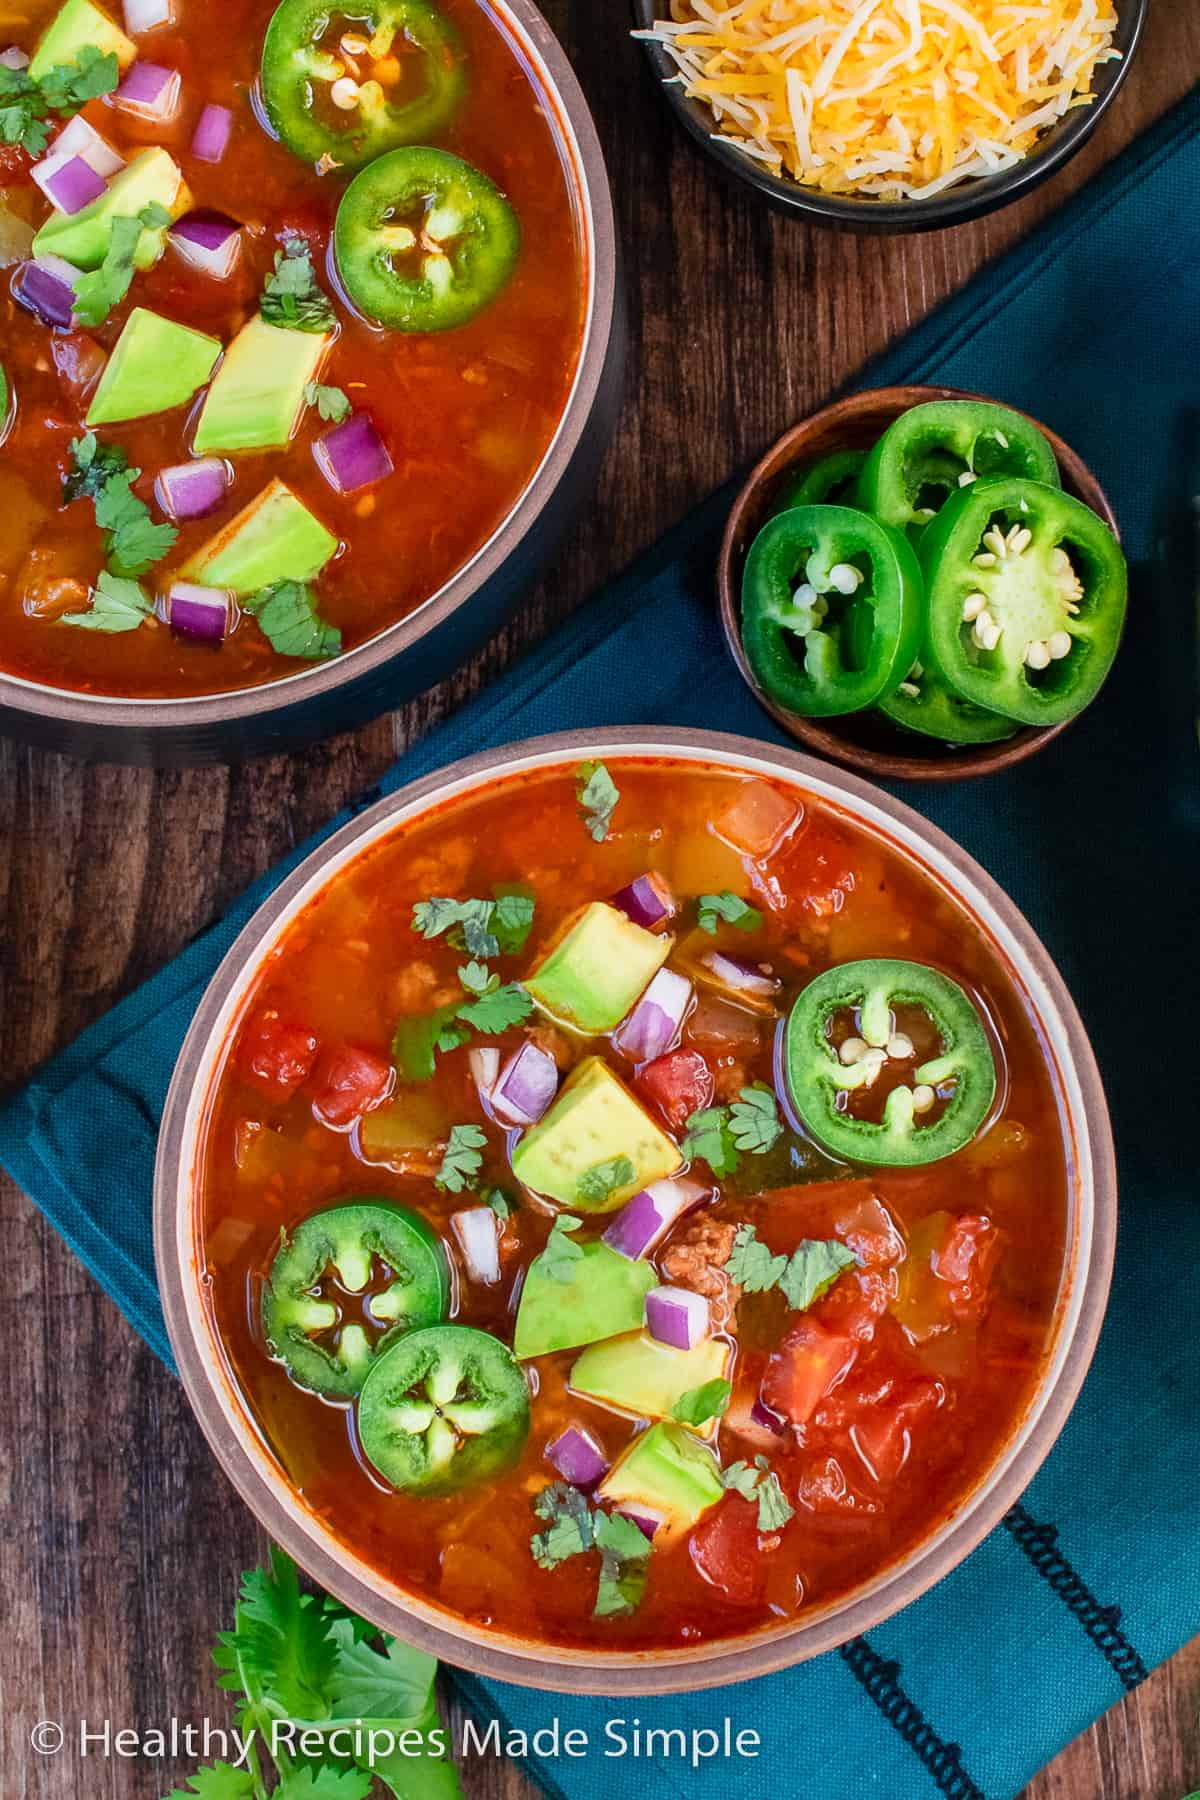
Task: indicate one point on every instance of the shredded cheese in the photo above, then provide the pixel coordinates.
(894, 99)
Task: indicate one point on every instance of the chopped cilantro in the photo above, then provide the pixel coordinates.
(597, 794)
(569, 1528)
(752, 1265)
(708, 1138)
(417, 1041)
(701, 1404)
(802, 1278)
(604, 1178)
(287, 614)
(117, 605)
(482, 928)
(331, 403)
(478, 979)
(97, 293)
(557, 1261)
(502, 1204)
(572, 1528)
(293, 298)
(26, 103)
(94, 465)
(757, 1481)
(726, 908)
(754, 1121)
(461, 1160)
(134, 543)
(494, 1008)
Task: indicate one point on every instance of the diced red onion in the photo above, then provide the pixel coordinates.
(190, 490)
(149, 91)
(646, 1522)
(577, 1457)
(653, 1025)
(485, 1066)
(47, 287)
(214, 128)
(642, 1221)
(14, 59)
(526, 1085)
(203, 613)
(353, 455)
(677, 1316)
(73, 185)
(762, 1415)
(147, 15)
(475, 1230)
(76, 140)
(208, 241)
(739, 976)
(647, 901)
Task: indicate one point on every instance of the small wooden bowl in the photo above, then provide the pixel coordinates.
(867, 741)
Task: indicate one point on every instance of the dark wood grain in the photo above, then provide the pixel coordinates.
(120, 1546)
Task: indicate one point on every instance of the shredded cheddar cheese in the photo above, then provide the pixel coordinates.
(895, 99)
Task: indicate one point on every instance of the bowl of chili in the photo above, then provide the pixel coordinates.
(829, 457)
(584, 1389)
(286, 456)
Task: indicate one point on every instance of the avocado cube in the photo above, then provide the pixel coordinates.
(668, 1472)
(79, 26)
(596, 968)
(155, 365)
(275, 538)
(82, 238)
(644, 1377)
(606, 1296)
(594, 1120)
(258, 395)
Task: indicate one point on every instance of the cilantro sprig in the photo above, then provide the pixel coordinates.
(598, 795)
(483, 928)
(292, 297)
(492, 1007)
(288, 615)
(718, 1135)
(802, 1278)
(754, 1121)
(28, 103)
(726, 908)
(101, 473)
(573, 1527)
(708, 1138)
(117, 605)
(758, 1481)
(331, 403)
(98, 293)
(461, 1159)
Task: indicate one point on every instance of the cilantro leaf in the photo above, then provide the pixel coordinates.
(754, 1121)
(26, 102)
(218, 1781)
(624, 1565)
(700, 1404)
(478, 979)
(741, 1478)
(117, 605)
(331, 403)
(559, 1260)
(468, 921)
(101, 473)
(569, 1527)
(512, 920)
(757, 1481)
(281, 1643)
(812, 1269)
(292, 298)
(461, 1159)
(417, 1040)
(726, 908)
(597, 794)
(95, 464)
(502, 1204)
(752, 1265)
(97, 293)
(603, 1178)
(287, 614)
(393, 1683)
(497, 1010)
(708, 1138)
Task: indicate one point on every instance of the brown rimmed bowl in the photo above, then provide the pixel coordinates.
(867, 741)
(430, 642)
(248, 1461)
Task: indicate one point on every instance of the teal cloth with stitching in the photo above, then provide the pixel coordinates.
(1094, 325)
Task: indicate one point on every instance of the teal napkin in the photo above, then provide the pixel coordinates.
(1094, 324)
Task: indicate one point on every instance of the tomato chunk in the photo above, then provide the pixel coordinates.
(277, 1053)
(801, 1372)
(678, 1084)
(967, 1261)
(727, 1551)
(882, 1434)
(349, 1081)
(946, 1276)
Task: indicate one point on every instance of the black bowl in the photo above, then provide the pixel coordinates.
(984, 195)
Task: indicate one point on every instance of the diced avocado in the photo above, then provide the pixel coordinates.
(77, 26)
(155, 365)
(668, 1472)
(607, 1296)
(257, 397)
(275, 538)
(594, 1121)
(82, 238)
(596, 968)
(644, 1377)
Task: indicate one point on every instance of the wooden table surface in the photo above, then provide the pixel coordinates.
(121, 1544)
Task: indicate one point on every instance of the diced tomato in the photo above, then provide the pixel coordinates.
(727, 1550)
(871, 1232)
(882, 1434)
(757, 818)
(967, 1261)
(823, 1488)
(855, 1304)
(349, 1081)
(15, 165)
(277, 1053)
(678, 1084)
(808, 1363)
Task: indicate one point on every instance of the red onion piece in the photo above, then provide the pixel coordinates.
(678, 1317)
(526, 1085)
(77, 139)
(208, 241)
(14, 59)
(190, 490)
(214, 128)
(762, 1415)
(149, 91)
(577, 1457)
(646, 1522)
(647, 901)
(485, 1066)
(353, 455)
(147, 15)
(47, 287)
(642, 1221)
(653, 1025)
(73, 185)
(739, 976)
(201, 613)
(475, 1230)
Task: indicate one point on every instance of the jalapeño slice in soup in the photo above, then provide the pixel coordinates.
(754, 1227)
